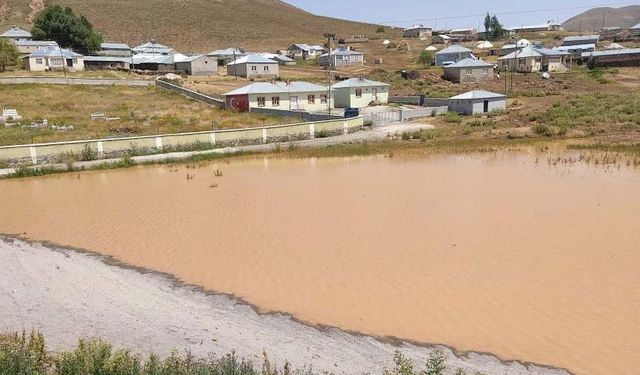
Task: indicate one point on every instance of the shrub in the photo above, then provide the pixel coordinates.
(22, 355)
(435, 363)
(403, 365)
(88, 153)
(452, 118)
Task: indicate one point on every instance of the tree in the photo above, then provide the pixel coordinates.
(435, 363)
(9, 55)
(426, 58)
(67, 29)
(493, 27)
(487, 24)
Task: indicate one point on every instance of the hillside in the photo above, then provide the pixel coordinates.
(195, 25)
(592, 19)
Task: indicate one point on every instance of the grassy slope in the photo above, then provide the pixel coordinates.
(592, 19)
(200, 25)
(154, 111)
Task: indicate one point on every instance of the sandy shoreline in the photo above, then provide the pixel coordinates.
(69, 294)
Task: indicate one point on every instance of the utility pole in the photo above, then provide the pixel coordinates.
(235, 68)
(330, 38)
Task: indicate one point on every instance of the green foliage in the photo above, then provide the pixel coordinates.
(380, 29)
(493, 27)
(427, 58)
(88, 153)
(67, 29)
(9, 55)
(403, 365)
(22, 355)
(435, 363)
(452, 118)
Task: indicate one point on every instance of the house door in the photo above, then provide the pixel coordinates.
(486, 106)
(294, 102)
(375, 95)
(70, 63)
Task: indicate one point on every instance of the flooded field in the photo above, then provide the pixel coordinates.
(497, 252)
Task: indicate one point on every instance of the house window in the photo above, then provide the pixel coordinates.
(311, 99)
(39, 61)
(254, 68)
(261, 101)
(266, 68)
(522, 61)
(468, 72)
(358, 93)
(275, 101)
(323, 99)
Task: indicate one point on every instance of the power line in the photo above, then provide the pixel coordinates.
(531, 11)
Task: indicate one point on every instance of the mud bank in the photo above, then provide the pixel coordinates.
(68, 294)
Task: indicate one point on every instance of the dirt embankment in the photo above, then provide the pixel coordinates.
(67, 294)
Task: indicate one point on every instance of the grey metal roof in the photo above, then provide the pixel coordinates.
(55, 51)
(418, 27)
(575, 47)
(635, 27)
(35, 43)
(308, 47)
(258, 88)
(153, 47)
(228, 52)
(470, 63)
(277, 57)
(528, 51)
(343, 52)
(144, 58)
(613, 52)
(577, 38)
(301, 87)
(16, 32)
(108, 59)
(358, 82)
(253, 59)
(178, 58)
(551, 52)
(477, 94)
(453, 49)
(116, 46)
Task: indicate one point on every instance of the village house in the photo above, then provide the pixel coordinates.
(612, 58)
(580, 40)
(610, 33)
(153, 48)
(549, 26)
(153, 62)
(27, 47)
(508, 48)
(225, 56)
(441, 39)
(292, 96)
(196, 65)
(17, 34)
(531, 59)
(304, 51)
(468, 71)
(452, 55)
(114, 49)
(418, 31)
(360, 93)
(253, 66)
(279, 58)
(634, 31)
(477, 102)
(107, 63)
(54, 58)
(463, 35)
(341, 57)
(576, 50)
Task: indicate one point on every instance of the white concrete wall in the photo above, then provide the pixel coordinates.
(303, 101)
(346, 97)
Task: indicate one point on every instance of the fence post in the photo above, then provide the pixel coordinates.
(345, 127)
(159, 143)
(100, 147)
(312, 131)
(401, 115)
(264, 135)
(34, 155)
(213, 138)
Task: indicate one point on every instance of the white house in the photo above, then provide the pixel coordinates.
(341, 57)
(360, 93)
(17, 34)
(153, 48)
(291, 96)
(54, 58)
(477, 102)
(253, 66)
(302, 51)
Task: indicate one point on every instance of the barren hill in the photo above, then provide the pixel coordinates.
(591, 20)
(195, 25)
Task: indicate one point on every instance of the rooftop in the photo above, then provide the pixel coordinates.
(453, 49)
(477, 94)
(41, 43)
(117, 46)
(276, 87)
(16, 32)
(343, 52)
(528, 51)
(108, 59)
(470, 63)
(55, 51)
(613, 52)
(575, 47)
(358, 82)
(253, 59)
(577, 38)
(228, 52)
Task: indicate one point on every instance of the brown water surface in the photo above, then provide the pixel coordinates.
(492, 252)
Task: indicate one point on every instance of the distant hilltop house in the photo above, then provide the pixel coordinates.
(196, 65)
(580, 40)
(253, 66)
(547, 27)
(301, 51)
(341, 57)
(477, 102)
(360, 93)
(17, 34)
(292, 96)
(54, 58)
(452, 55)
(418, 31)
(469, 70)
(531, 59)
(228, 55)
(612, 58)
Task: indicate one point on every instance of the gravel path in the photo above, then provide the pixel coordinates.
(67, 294)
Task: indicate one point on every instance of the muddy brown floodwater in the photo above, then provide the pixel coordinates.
(492, 252)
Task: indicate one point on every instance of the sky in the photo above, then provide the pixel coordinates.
(408, 12)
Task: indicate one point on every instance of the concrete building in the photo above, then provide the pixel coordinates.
(153, 48)
(302, 51)
(341, 57)
(549, 26)
(612, 58)
(280, 59)
(441, 39)
(468, 71)
(107, 63)
(418, 31)
(153, 62)
(253, 66)
(27, 47)
(532, 59)
(610, 32)
(634, 31)
(580, 40)
(292, 96)
(54, 58)
(508, 48)
(17, 34)
(196, 65)
(576, 50)
(360, 93)
(226, 56)
(477, 102)
(114, 49)
(452, 55)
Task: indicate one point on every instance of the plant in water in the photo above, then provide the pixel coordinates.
(435, 363)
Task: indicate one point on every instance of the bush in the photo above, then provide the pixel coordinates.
(88, 153)
(452, 118)
(22, 355)
(435, 363)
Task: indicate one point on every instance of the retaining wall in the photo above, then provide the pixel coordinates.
(190, 93)
(111, 147)
(75, 81)
(408, 114)
(306, 116)
(420, 100)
